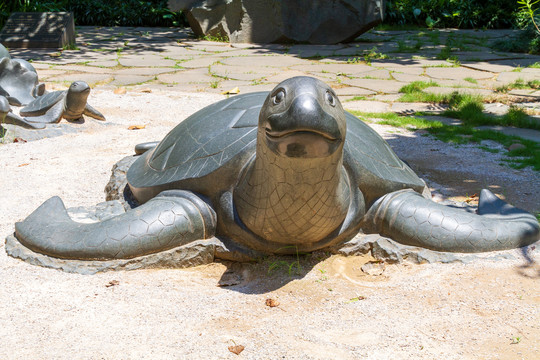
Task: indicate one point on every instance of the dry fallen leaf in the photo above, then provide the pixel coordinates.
(146, 90)
(235, 90)
(473, 197)
(113, 283)
(120, 90)
(136, 127)
(236, 349)
(19, 140)
(24, 164)
(272, 302)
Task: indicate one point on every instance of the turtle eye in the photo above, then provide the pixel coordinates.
(278, 98)
(330, 98)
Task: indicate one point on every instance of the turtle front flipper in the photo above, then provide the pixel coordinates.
(411, 219)
(53, 115)
(12, 118)
(171, 219)
(92, 112)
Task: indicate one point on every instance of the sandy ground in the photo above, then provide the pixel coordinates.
(328, 309)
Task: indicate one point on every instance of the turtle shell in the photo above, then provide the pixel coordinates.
(41, 104)
(217, 135)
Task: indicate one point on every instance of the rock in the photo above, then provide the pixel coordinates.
(373, 268)
(516, 146)
(193, 254)
(116, 188)
(360, 244)
(269, 21)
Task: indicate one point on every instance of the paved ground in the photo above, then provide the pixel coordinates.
(366, 74)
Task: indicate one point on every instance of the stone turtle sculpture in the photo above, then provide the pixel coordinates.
(281, 172)
(8, 117)
(70, 104)
(18, 81)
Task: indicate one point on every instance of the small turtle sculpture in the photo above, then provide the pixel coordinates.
(70, 104)
(8, 117)
(281, 172)
(18, 81)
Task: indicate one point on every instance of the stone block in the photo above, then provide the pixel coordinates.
(38, 30)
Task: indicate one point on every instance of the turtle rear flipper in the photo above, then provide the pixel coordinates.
(173, 218)
(411, 219)
(92, 112)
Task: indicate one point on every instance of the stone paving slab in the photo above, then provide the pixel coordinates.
(457, 73)
(92, 79)
(145, 60)
(200, 62)
(411, 108)
(124, 80)
(352, 91)
(448, 90)
(408, 78)
(367, 106)
(380, 86)
(510, 77)
(279, 61)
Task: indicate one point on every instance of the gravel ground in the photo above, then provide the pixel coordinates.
(329, 309)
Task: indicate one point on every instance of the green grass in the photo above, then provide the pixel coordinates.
(444, 54)
(356, 98)
(404, 48)
(471, 80)
(536, 65)
(417, 86)
(393, 119)
(462, 134)
(216, 38)
(398, 27)
(519, 84)
(469, 109)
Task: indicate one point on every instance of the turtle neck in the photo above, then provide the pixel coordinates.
(292, 200)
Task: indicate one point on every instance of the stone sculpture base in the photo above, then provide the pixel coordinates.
(271, 21)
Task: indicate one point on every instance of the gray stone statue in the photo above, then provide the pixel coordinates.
(8, 117)
(270, 173)
(70, 104)
(18, 81)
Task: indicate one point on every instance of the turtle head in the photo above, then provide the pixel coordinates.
(302, 118)
(76, 97)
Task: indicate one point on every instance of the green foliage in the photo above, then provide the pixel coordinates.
(464, 14)
(528, 20)
(528, 7)
(102, 12)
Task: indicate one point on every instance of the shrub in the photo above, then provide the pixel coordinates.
(464, 14)
(102, 12)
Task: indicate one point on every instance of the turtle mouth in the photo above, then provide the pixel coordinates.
(276, 135)
(301, 143)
